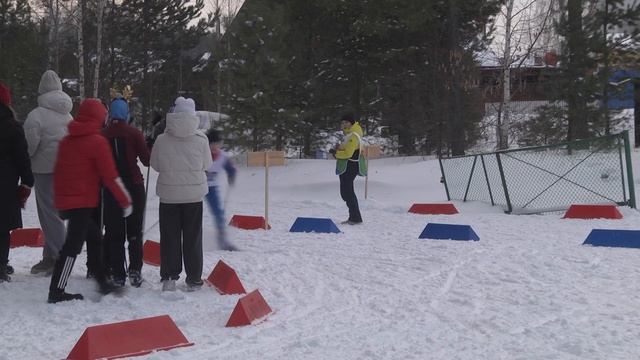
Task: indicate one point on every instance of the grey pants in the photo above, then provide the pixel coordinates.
(52, 226)
(181, 238)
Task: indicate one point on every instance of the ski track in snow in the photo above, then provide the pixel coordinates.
(527, 290)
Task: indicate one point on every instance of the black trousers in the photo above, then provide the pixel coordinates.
(118, 229)
(81, 227)
(4, 248)
(348, 193)
(181, 238)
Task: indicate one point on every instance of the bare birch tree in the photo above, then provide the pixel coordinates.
(523, 25)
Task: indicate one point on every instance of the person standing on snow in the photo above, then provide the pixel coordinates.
(221, 162)
(14, 165)
(127, 145)
(84, 162)
(45, 126)
(348, 165)
(180, 156)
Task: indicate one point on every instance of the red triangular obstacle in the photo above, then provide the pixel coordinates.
(249, 222)
(433, 209)
(593, 212)
(225, 280)
(27, 237)
(128, 338)
(151, 253)
(249, 310)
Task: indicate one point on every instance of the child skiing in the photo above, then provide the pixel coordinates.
(220, 161)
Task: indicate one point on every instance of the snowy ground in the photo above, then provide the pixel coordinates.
(527, 290)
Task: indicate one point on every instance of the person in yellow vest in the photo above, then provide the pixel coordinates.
(349, 165)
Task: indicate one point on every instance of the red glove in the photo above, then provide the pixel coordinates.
(23, 194)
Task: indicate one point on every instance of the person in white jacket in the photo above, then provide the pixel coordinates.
(45, 126)
(180, 156)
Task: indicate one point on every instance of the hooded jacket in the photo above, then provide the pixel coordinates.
(180, 156)
(85, 162)
(47, 124)
(351, 144)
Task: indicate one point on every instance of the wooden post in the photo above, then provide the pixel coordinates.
(366, 178)
(266, 189)
(370, 152)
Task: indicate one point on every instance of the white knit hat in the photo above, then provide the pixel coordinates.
(185, 106)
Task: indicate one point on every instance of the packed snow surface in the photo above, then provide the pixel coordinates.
(528, 289)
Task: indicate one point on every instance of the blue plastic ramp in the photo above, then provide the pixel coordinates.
(614, 238)
(318, 225)
(448, 232)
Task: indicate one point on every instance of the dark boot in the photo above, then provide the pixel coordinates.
(4, 276)
(106, 286)
(61, 273)
(57, 295)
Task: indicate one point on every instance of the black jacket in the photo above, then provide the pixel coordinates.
(15, 169)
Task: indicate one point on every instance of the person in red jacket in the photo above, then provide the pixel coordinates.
(127, 144)
(84, 162)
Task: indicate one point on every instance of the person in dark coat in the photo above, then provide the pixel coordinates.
(16, 179)
(127, 146)
(83, 164)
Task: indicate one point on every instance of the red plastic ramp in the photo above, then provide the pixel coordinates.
(224, 279)
(433, 209)
(249, 310)
(151, 253)
(27, 237)
(593, 212)
(128, 338)
(249, 222)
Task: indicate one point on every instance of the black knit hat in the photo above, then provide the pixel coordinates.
(213, 135)
(348, 117)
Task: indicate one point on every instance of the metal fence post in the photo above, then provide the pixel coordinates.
(444, 178)
(486, 176)
(473, 168)
(627, 152)
(504, 184)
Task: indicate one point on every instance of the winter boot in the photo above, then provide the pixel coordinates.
(45, 266)
(4, 276)
(58, 295)
(135, 278)
(168, 285)
(106, 286)
(193, 285)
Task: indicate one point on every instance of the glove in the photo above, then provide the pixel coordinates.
(23, 194)
(127, 211)
(332, 152)
(231, 180)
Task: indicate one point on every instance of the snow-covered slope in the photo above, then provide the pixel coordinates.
(527, 290)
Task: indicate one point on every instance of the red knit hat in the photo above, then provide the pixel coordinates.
(5, 94)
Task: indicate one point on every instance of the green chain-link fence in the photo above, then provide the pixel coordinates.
(545, 178)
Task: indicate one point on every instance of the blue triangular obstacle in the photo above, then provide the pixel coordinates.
(319, 225)
(614, 238)
(448, 232)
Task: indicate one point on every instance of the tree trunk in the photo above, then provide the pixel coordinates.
(503, 120)
(96, 72)
(81, 92)
(576, 102)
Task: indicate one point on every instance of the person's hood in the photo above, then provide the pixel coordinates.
(181, 124)
(56, 101)
(49, 82)
(355, 128)
(90, 118)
